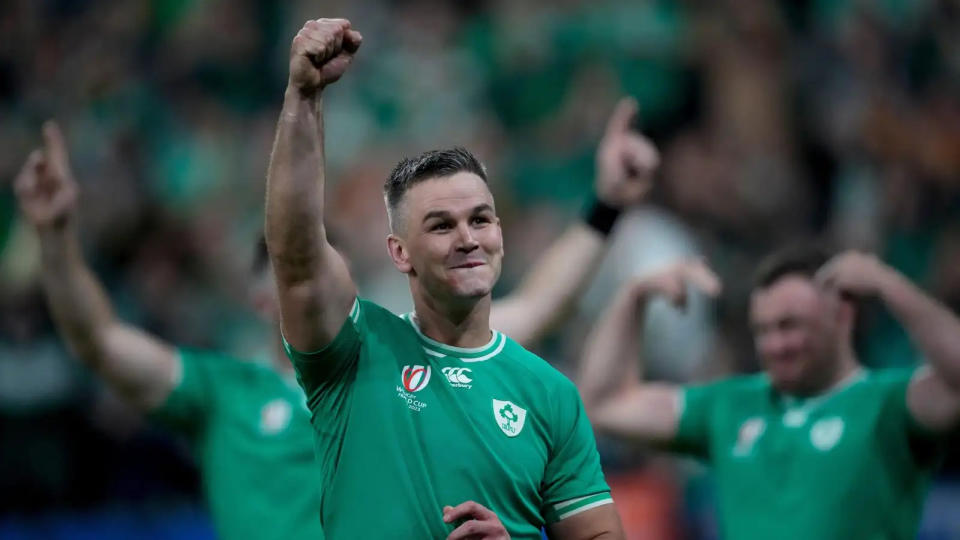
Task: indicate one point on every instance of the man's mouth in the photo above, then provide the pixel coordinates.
(469, 264)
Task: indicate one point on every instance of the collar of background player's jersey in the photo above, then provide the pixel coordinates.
(466, 354)
(811, 402)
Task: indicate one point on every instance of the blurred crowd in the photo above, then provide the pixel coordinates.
(777, 122)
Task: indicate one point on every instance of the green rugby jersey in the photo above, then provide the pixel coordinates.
(850, 464)
(406, 425)
(250, 432)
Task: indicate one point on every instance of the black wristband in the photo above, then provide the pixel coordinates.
(600, 216)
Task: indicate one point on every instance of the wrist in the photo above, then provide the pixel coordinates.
(601, 216)
(294, 93)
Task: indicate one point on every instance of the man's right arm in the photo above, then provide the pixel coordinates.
(139, 367)
(617, 401)
(314, 285)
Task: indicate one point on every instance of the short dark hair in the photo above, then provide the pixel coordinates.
(801, 259)
(432, 164)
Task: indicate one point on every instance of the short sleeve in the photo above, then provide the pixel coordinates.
(573, 480)
(925, 446)
(192, 399)
(694, 411)
(325, 375)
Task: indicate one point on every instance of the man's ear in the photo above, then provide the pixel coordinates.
(399, 254)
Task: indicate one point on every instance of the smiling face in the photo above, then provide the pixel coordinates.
(450, 243)
(798, 332)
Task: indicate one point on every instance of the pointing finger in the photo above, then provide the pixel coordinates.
(623, 114)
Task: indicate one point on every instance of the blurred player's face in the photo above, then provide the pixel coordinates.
(798, 331)
(451, 245)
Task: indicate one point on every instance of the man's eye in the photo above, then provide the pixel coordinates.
(440, 227)
(479, 220)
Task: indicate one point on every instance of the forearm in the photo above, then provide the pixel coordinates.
(295, 182)
(932, 327)
(549, 291)
(612, 351)
(80, 308)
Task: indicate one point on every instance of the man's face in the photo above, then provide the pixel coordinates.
(797, 330)
(451, 243)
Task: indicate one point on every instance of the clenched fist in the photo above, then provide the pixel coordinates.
(320, 54)
(45, 188)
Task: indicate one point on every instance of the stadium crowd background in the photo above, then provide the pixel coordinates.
(777, 121)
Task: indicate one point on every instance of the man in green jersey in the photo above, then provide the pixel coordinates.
(431, 424)
(816, 446)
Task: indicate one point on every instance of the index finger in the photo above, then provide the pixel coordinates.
(470, 509)
(622, 116)
(53, 145)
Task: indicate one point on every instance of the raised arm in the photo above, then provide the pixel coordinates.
(139, 367)
(610, 379)
(933, 396)
(314, 286)
(626, 162)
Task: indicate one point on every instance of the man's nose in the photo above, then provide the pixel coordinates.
(466, 240)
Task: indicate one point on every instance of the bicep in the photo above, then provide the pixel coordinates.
(138, 366)
(314, 308)
(646, 413)
(598, 522)
(933, 403)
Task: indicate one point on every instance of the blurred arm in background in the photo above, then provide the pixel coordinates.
(139, 367)
(617, 401)
(933, 396)
(626, 163)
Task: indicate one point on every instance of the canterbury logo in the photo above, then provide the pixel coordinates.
(457, 375)
(415, 378)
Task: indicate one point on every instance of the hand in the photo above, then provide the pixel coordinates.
(45, 188)
(482, 524)
(320, 54)
(672, 282)
(855, 273)
(626, 160)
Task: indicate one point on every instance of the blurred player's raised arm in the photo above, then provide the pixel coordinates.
(933, 396)
(626, 162)
(139, 367)
(618, 402)
(315, 289)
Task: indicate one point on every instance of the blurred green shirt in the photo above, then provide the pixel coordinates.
(250, 432)
(850, 464)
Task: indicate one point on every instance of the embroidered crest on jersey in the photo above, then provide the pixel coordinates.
(509, 416)
(275, 416)
(826, 433)
(747, 436)
(415, 378)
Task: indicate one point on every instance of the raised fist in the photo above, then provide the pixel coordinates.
(45, 188)
(626, 160)
(320, 53)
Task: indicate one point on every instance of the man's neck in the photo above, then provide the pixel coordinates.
(466, 325)
(847, 367)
